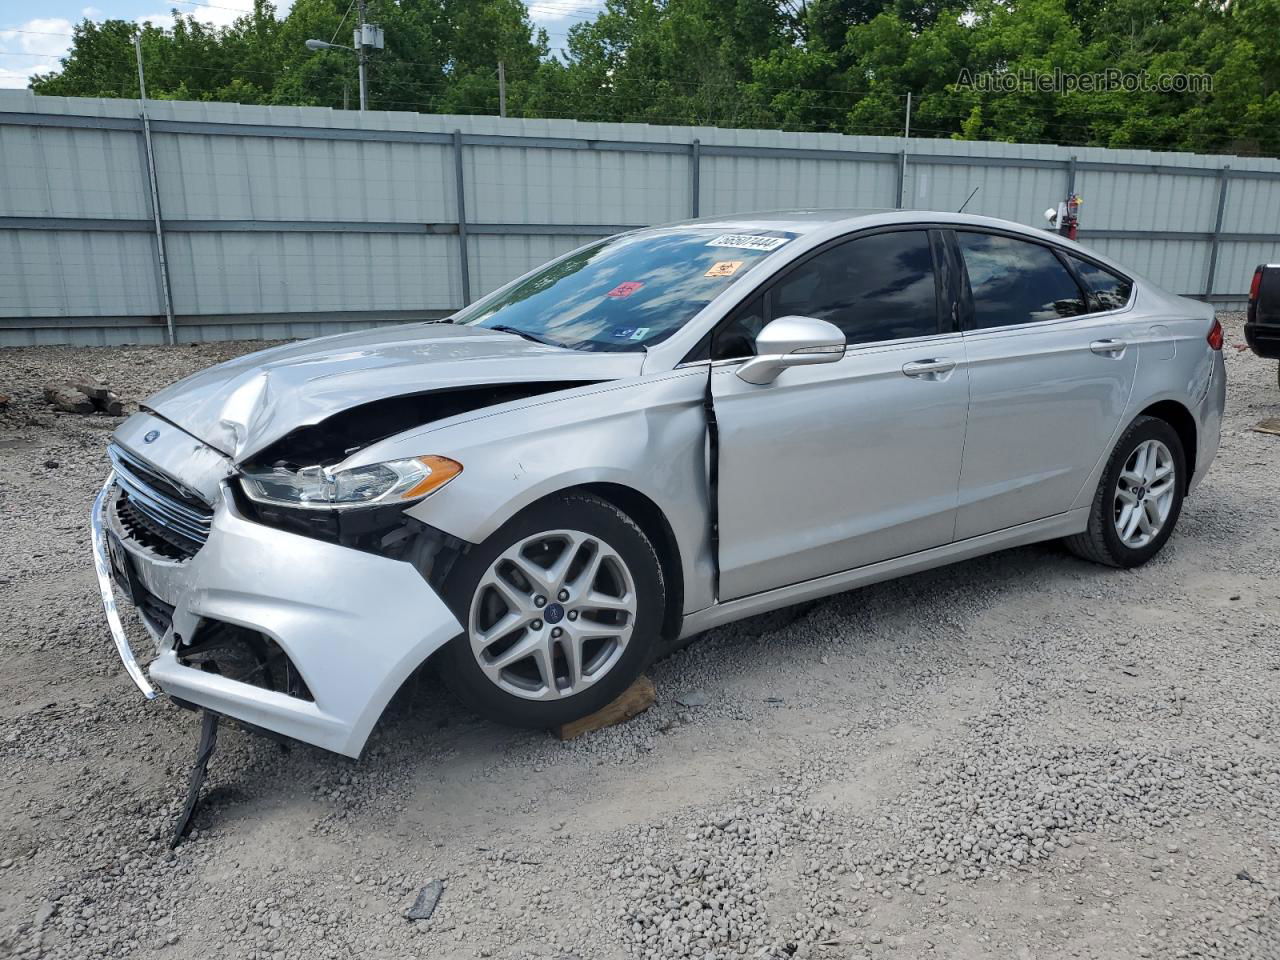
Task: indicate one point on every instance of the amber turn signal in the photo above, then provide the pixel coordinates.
(440, 470)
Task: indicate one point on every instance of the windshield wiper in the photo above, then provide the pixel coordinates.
(545, 341)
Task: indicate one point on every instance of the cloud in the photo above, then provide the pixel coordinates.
(220, 16)
(553, 12)
(36, 46)
(32, 47)
(557, 16)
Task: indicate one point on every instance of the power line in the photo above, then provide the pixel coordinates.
(576, 12)
(342, 21)
(214, 6)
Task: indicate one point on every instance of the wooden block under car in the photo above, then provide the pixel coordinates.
(635, 700)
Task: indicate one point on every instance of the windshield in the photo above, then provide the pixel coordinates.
(627, 292)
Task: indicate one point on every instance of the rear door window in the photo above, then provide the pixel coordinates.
(1015, 281)
(1105, 290)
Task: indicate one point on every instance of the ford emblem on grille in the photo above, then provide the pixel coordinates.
(150, 436)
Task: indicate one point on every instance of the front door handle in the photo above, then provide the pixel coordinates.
(1108, 348)
(932, 369)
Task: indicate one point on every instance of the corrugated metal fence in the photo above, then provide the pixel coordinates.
(294, 221)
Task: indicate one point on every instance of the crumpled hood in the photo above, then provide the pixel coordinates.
(240, 406)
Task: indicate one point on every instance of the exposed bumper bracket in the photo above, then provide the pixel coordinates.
(204, 752)
(102, 564)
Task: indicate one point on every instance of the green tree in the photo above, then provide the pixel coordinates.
(843, 65)
(682, 61)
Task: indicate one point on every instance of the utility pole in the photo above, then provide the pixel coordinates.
(155, 195)
(361, 56)
(367, 36)
(502, 89)
(907, 128)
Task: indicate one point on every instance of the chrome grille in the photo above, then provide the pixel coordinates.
(154, 508)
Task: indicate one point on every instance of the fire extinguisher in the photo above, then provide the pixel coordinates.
(1069, 216)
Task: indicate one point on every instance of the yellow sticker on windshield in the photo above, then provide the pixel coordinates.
(724, 268)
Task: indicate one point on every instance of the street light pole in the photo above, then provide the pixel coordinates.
(368, 36)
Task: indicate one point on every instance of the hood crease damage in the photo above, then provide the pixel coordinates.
(334, 439)
(367, 385)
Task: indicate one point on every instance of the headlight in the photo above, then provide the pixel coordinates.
(320, 488)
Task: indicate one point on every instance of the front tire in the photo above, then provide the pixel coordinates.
(1139, 497)
(562, 608)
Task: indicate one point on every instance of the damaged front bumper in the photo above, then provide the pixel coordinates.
(353, 625)
(102, 566)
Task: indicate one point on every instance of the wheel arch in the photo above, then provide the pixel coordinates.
(1167, 409)
(1183, 423)
(653, 521)
(637, 505)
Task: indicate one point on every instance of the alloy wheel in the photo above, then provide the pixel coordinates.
(552, 615)
(1144, 494)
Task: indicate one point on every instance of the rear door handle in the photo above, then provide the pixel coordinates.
(1108, 348)
(932, 369)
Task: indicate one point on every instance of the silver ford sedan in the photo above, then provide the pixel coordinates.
(657, 433)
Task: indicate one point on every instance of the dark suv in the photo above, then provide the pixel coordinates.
(1262, 326)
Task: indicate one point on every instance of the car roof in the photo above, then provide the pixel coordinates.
(833, 223)
(792, 221)
(804, 221)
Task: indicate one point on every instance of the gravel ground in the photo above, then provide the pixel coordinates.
(1021, 756)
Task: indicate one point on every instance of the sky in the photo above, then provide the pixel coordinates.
(34, 35)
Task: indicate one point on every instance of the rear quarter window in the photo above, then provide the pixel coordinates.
(1105, 290)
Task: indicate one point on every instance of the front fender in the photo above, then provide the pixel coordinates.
(649, 435)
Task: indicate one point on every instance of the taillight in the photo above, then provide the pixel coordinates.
(1254, 287)
(1215, 335)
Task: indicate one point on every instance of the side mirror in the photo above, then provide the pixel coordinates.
(792, 342)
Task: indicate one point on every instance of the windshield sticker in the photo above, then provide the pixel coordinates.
(640, 334)
(623, 333)
(624, 289)
(747, 241)
(724, 268)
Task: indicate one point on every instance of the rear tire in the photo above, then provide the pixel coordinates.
(1139, 497)
(561, 608)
